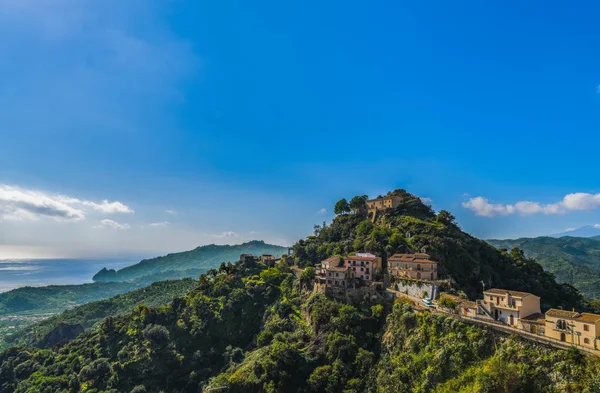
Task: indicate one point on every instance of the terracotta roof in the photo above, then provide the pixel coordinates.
(331, 259)
(468, 304)
(410, 257)
(411, 260)
(355, 258)
(337, 268)
(497, 291)
(536, 318)
(583, 317)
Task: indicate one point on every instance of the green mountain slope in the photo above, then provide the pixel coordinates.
(90, 314)
(466, 260)
(249, 329)
(202, 258)
(573, 260)
(246, 328)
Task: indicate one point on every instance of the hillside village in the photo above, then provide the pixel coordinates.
(414, 276)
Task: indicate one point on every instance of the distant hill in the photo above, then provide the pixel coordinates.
(573, 260)
(43, 334)
(586, 231)
(201, 258)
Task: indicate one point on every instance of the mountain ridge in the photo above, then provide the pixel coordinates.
(202, 257)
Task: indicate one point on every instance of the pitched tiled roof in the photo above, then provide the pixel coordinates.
(414, 258)
(497, 291)
(337, 268)
(468, 304)
(355, 258)
(331, 259)
(583, 317)
(536, 318)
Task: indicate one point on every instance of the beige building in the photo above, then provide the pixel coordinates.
(508, 306)
(268, 259)
(468, 309)
(412, 266)
(387, 202)
(383, 203)
(333, 272)
(573, 327)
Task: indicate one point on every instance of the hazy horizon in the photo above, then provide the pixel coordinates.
(150, 127)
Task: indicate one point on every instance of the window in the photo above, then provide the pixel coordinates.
(586, 328)
(362, 269)
(366, 277)
(586, 340)
(561, 324)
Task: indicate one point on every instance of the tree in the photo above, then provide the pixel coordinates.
(341, 207)
(446, 218)
(359, 203)
(308, 275)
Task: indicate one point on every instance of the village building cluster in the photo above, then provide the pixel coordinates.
(350, 278)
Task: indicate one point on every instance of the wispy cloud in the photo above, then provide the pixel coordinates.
(111, 224)
(17, 203)
(570, 229)
(171, 212)
(227, 234)
(575, 201)
(159, 224)
(426, 200)
(322, 211)
(597, 226)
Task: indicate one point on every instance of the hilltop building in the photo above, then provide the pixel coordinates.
(573, 327)
(382, 203)
(412, 266)
(509, 307)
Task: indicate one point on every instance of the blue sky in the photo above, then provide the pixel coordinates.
(246, 120)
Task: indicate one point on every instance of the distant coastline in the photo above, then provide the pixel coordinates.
(35, 272)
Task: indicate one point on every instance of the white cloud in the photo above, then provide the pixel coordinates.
(104, 206)
(482, 207)
(322, 211)
(171, 212)
(227, 234)
(597, 226)
(106, 223)
(570, 229)
(425, 200)
(159, 224)
(23, 204)
(575, 201)
(254, 232)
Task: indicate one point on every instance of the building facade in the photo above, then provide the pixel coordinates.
(268, 259)
(383, 203)
(413, 266)
(364, 266)
(508, 306)
(573, 327)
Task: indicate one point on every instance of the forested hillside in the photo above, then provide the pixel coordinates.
(573, 260)
(413, 227)
(188, 263)
(90, 314)
(250, 329)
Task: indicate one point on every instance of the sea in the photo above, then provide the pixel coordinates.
(16, 273)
